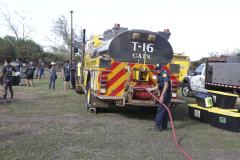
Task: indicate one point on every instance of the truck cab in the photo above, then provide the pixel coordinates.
(194, 82)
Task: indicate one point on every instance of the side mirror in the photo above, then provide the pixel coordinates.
(75, 49)
(189, 72)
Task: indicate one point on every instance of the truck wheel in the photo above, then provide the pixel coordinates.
(88, 97)
(185, 90)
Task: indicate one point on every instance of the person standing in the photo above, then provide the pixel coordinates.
(52, 71)
(7, 78)
(164, 85)
(66, 71)
(30, 72)
(73, 72)
(19, 67)
(41, 66)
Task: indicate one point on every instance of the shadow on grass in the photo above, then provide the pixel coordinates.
(144, 113)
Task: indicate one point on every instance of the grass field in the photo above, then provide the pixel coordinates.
(53, 124)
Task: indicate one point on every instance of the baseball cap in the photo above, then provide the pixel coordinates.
(52, 63)
(73, 60)
(158, 65)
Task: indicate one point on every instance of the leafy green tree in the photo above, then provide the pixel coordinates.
(7, 47)
(27, 50)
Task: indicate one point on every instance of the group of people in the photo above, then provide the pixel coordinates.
(163, 84)
(31, 68)
(68, 70)
(69, 74)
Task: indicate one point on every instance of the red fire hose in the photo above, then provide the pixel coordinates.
(170, 116)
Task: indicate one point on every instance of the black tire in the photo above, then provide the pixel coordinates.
(88, 97)
(185, 90)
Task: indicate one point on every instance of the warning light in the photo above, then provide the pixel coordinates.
(116, 26)
(166, 30)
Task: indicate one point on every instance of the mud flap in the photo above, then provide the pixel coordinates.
(96, 103)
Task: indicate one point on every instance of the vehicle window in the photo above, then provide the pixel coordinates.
(199, 70)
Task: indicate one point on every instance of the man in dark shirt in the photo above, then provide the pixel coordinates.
(7, 78)
(164, 85)
(41, 66)
(66, 71)
(19, 67)
(73, 72)
(30, 72)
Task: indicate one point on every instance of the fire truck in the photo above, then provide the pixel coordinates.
(184, 61)
(117, 63)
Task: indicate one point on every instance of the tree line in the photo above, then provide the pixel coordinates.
(217, 56)
(27, 50)
(59, 41)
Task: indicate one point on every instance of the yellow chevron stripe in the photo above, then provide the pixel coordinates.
(119, 81)
(111, 75)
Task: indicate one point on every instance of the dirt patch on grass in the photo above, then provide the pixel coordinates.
(3, 110)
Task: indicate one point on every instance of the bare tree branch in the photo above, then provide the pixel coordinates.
(27, 31)
(12, 26)
(7, 18)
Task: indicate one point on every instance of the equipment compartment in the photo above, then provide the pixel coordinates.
(204, 100)
(224, 119)
(199, 113)
(223, 100)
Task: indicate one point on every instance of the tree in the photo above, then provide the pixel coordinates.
(26, 50)
(7, 47)
(235, 52)
(61, 33)
(14, 27)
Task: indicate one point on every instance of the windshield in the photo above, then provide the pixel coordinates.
(199, 70)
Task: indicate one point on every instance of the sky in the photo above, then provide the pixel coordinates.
(197, 27)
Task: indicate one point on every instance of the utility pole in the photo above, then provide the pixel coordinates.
(82, 57)
(71, 34)
(23, 31)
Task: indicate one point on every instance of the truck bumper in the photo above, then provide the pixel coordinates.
(140, 103)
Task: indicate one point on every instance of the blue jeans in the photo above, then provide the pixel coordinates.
(52, 79)
(41, 73)
(162, 113)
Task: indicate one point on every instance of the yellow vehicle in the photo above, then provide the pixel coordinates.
(184, 62)
(116, 65)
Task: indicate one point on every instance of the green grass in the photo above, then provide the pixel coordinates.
(53, 124)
